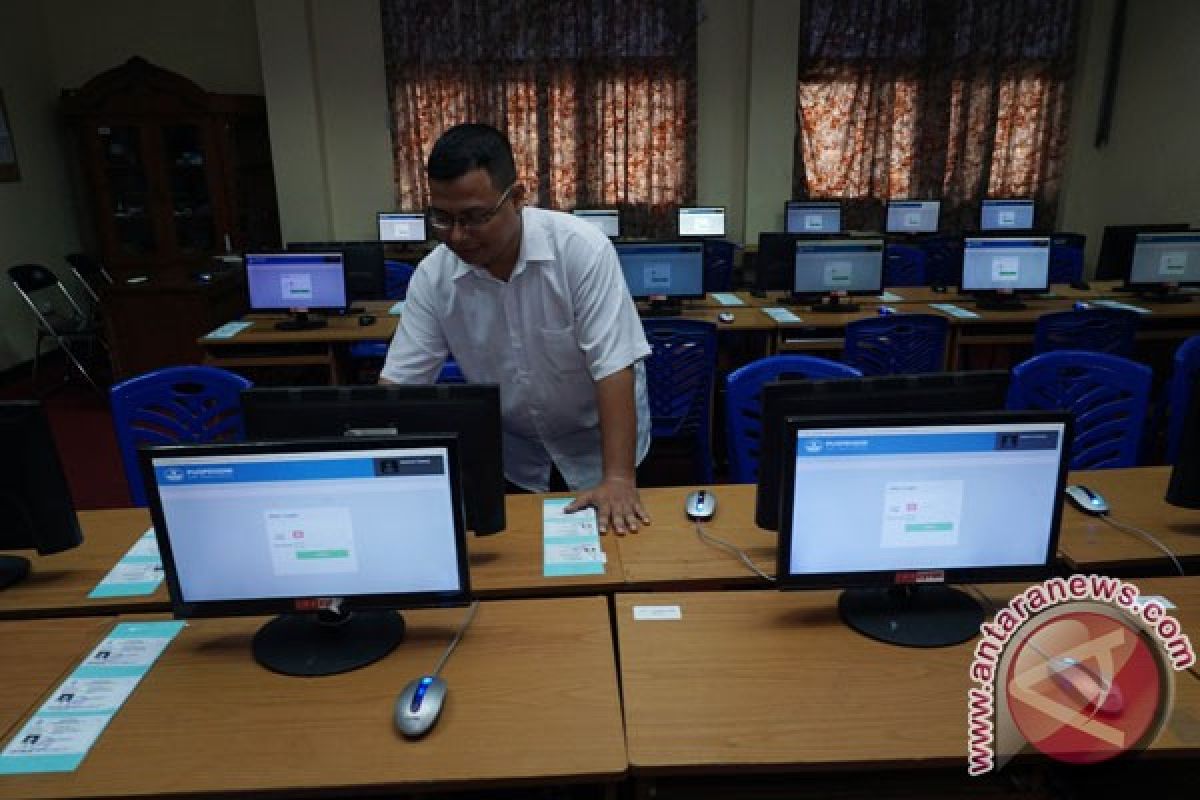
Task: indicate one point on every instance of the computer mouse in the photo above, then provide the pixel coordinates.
(725, 316)
(938, 288)
(1086, 500)
(419, 705)
(366, 319)
(701, 505)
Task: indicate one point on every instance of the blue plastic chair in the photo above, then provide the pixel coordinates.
(898, 344)
(1066, 257)
(743, 403)
(174, 405)
(1108, 395)
(1183, 377)
(904, 265)
(718, 265)
(396, 275)
(680, 373)
(1098, 330)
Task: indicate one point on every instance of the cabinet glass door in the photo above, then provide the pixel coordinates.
(190, 205)
(128, 188)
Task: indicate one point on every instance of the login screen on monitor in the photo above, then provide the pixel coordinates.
(831, 265)
(1011, 215)
(663, 269)
(296, 280)
(608, 220)
(401, 227)
(1166, 258)
(999, 264)
(913, 216)
(707, 221)
(813, 218)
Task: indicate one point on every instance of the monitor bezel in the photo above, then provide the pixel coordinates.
(1025, 200)
(992, 291)
(290, 605)
(691, 242)
(575, 212)
(379, 215)
(294, 309)
(918, 575)
(887, 213)
(679, 222)
(790, 204)
(1146, 286)
(811, 240)
(1115, 258)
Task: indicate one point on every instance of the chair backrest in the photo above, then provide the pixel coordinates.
(718, 265)
(680, 373)
(904, 265)
(396, 275)
(743, 403)
(1066, 257)
(1100, 330)
(90, 273)
(37, 285)
(1108, 395)
(1184, 375)
(898, 344)
(175, 404)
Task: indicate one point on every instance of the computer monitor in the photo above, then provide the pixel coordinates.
(365, 273)
(702, 221)
(469, 410)
(893, 508)
(608, 220)
(934, 392)
(775, 261)
(1162, 262)
(401, 226)
(1116, 248)
(997, 270)
(663, 272)
(913, 216)
(1006, 215)
(812, 217)
(296, 283)
(332, 535)
(36, 512)
(837, 268)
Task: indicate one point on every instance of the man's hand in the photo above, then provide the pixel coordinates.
(617, 505)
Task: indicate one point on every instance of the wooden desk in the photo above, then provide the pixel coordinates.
(532, 698)
(1135, 497)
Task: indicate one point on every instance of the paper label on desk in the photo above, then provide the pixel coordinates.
(139, 572)
(397, 308)
(727, 299)
(570, 542)
(781, 314)
(60, 734)
(228, 330)
(657, 612)
(1153, 598)
(890, 297)
(954, 311)
(1119, 305)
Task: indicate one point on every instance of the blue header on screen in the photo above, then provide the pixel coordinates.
(992, 244)
(849, 247)
(299, 470)
(808, 446)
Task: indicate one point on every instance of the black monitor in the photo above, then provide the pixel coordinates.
(892, 508)
(332, 535)
(1116, 248)
(812, 217)
(826, 270)
(663, 272)
(913, 216)
(607, 220)
(702, 221)
(983, 390)
(1006, 215)
(401, 226)
(296, 283)
(365, 274)
(1183, 489)
(1163, 262)
(997, 270)
(36, 512)
(775, 261)
(470, 410)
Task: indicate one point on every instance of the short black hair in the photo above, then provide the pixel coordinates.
(472, 146)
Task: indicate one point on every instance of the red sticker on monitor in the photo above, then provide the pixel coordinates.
(922, 576)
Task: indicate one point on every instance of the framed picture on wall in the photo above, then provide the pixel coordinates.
(8, 150)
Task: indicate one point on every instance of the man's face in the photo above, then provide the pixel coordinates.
(492, 243)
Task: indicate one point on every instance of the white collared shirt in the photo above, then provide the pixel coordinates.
(562, 321)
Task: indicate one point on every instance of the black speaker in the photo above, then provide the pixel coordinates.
(1184, 488)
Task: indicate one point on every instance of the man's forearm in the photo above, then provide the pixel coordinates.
(618, 424)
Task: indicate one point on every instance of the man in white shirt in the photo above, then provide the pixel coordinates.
(535, 301)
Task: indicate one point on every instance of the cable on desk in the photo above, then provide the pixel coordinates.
(745, 559)
(457, 637)
(1146, 536)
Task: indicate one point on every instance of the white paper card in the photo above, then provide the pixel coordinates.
(781, 314)
(642, 613)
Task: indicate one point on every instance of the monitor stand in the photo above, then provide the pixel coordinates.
(834, 305)
(300, 321)
(326, 644)
(12, 570)
(912, 616)
(999, 302)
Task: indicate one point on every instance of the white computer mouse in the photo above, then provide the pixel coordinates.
(1085, 499)
(701, 505)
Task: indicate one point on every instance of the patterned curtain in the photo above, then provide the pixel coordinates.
(926, 99)
(597, 96)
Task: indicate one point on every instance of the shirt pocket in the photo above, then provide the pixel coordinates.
(562, 350)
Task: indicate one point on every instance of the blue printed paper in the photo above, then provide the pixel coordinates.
(138, 573)
(781, 315)
(954, 311)
(570, 542)
(228, 330)
(727, 299)
(397, 308)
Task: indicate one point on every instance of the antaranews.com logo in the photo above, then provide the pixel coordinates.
(1079, 668)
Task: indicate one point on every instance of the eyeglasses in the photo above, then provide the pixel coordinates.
(444, 222)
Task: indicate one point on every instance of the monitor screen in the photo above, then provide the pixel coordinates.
(1116, 248)
(913, 216)
(663, 269)
(702, 221)
(608, 220)
(296, 281)
(980, 390)
(36, 511)
(812, 217)
(1014, 264)
(470, 410)
(1165, 259)
(363, 262)
(883, 501)
(341, 527)
(401, 226)
(1006, 215)
(853, 266)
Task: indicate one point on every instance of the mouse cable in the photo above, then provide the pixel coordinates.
(1146, 536)
(708, 537)
(466, 623)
